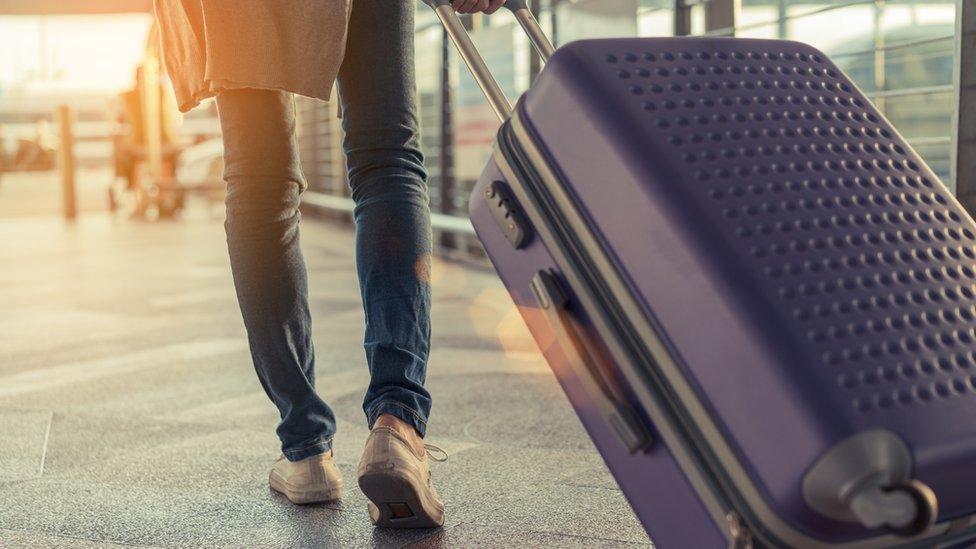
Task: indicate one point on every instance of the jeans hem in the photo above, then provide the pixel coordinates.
(320, 446)
(400, 410)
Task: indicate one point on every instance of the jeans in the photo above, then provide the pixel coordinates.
(393, 235)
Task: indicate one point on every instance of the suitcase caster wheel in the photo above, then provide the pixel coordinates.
(926, 504)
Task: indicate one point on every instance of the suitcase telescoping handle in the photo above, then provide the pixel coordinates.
(602, 391)
(472, 58)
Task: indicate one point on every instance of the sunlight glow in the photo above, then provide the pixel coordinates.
(78, 53)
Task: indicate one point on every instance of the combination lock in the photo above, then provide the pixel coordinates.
(507, 214)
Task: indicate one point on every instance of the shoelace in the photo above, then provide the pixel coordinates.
(432, 448)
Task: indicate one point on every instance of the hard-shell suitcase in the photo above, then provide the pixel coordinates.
(758, 298)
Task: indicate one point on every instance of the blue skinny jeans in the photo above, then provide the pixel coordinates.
(393, 235)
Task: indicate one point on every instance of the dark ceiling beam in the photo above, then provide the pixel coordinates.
(73, 7)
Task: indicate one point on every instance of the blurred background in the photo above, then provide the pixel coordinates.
(92, 69)
(129, 411)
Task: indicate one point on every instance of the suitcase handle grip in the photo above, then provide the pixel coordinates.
(602, 391)
(473, 59)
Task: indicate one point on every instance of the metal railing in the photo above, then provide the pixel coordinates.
(896, 46)
(439, 221)
(910, 92)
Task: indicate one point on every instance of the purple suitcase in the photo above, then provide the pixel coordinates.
(757, 297)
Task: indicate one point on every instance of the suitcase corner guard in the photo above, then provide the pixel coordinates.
(603, 391)
(866, 479)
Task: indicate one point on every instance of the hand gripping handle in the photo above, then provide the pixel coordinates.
(472, 58)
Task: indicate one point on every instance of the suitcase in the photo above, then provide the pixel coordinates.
(758, 298)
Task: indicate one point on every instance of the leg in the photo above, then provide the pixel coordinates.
(264, 181)
(389, 185)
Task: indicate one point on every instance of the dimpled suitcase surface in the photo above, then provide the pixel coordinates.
(781, 287)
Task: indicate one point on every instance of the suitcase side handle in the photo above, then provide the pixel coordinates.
(473, 59)
(602, 391)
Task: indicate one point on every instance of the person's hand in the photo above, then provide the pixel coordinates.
(475, 6)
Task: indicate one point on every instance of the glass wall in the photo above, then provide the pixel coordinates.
(655, 18)
(899, 52)
(475, 123)
(319, 132)
(595, 19)
(430, 93)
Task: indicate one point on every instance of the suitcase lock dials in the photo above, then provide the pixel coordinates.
(507, 214)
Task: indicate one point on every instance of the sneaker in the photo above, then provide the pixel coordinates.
(397, 482)
(312, 480)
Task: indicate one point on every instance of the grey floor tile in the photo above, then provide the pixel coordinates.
(478, 536)
(158, 432)
(23, 442)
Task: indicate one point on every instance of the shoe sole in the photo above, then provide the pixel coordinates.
(306, 494)
(397, 502)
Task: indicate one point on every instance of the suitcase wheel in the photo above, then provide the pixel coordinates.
(926, 507)
(866, 480)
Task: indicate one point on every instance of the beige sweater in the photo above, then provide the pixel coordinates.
(290, 45)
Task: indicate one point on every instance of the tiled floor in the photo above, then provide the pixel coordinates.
(129, 413)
